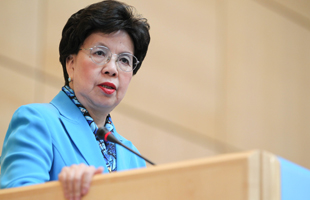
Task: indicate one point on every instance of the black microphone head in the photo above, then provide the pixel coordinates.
(104, 134)
(101, 132)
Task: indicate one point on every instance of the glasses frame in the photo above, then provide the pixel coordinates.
(110, 57)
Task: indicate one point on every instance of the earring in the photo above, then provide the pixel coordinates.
(69, 79)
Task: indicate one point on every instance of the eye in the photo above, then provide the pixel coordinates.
(125, 60)
(99, 52)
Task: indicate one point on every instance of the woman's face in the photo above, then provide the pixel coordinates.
(100, 87)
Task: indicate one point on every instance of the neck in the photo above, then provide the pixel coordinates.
(98, 117)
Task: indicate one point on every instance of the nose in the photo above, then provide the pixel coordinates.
(110, 68)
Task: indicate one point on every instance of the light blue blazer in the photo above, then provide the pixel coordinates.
(44, 138)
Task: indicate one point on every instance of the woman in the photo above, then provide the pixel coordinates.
(102, 47)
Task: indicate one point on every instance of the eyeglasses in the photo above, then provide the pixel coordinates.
(102, 55)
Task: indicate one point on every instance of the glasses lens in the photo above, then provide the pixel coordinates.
(127, 62)
(100, 54)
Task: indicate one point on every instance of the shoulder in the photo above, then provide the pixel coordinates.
(37, 110)
(123, 139)
(35, 107)
(33, 116)
(44, 109)
(133, 161)
(36, 117)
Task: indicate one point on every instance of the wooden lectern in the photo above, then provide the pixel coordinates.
(252, 175)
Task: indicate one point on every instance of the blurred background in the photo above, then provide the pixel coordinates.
(220, 76)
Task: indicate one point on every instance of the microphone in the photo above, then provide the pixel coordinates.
(104, 134)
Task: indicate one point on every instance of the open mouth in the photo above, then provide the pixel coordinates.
(107, 87)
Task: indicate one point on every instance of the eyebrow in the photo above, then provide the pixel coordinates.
(102, 44)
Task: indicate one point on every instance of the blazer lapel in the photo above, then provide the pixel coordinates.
(78, 130)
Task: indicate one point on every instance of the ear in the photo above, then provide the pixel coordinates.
(70, 65)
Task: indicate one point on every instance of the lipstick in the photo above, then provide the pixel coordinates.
(107, 87)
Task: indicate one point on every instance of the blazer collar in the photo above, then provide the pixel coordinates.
(78, 130)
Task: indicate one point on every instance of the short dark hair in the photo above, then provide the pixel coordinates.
(106, 17)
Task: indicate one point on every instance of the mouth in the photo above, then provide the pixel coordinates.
(107, 87)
